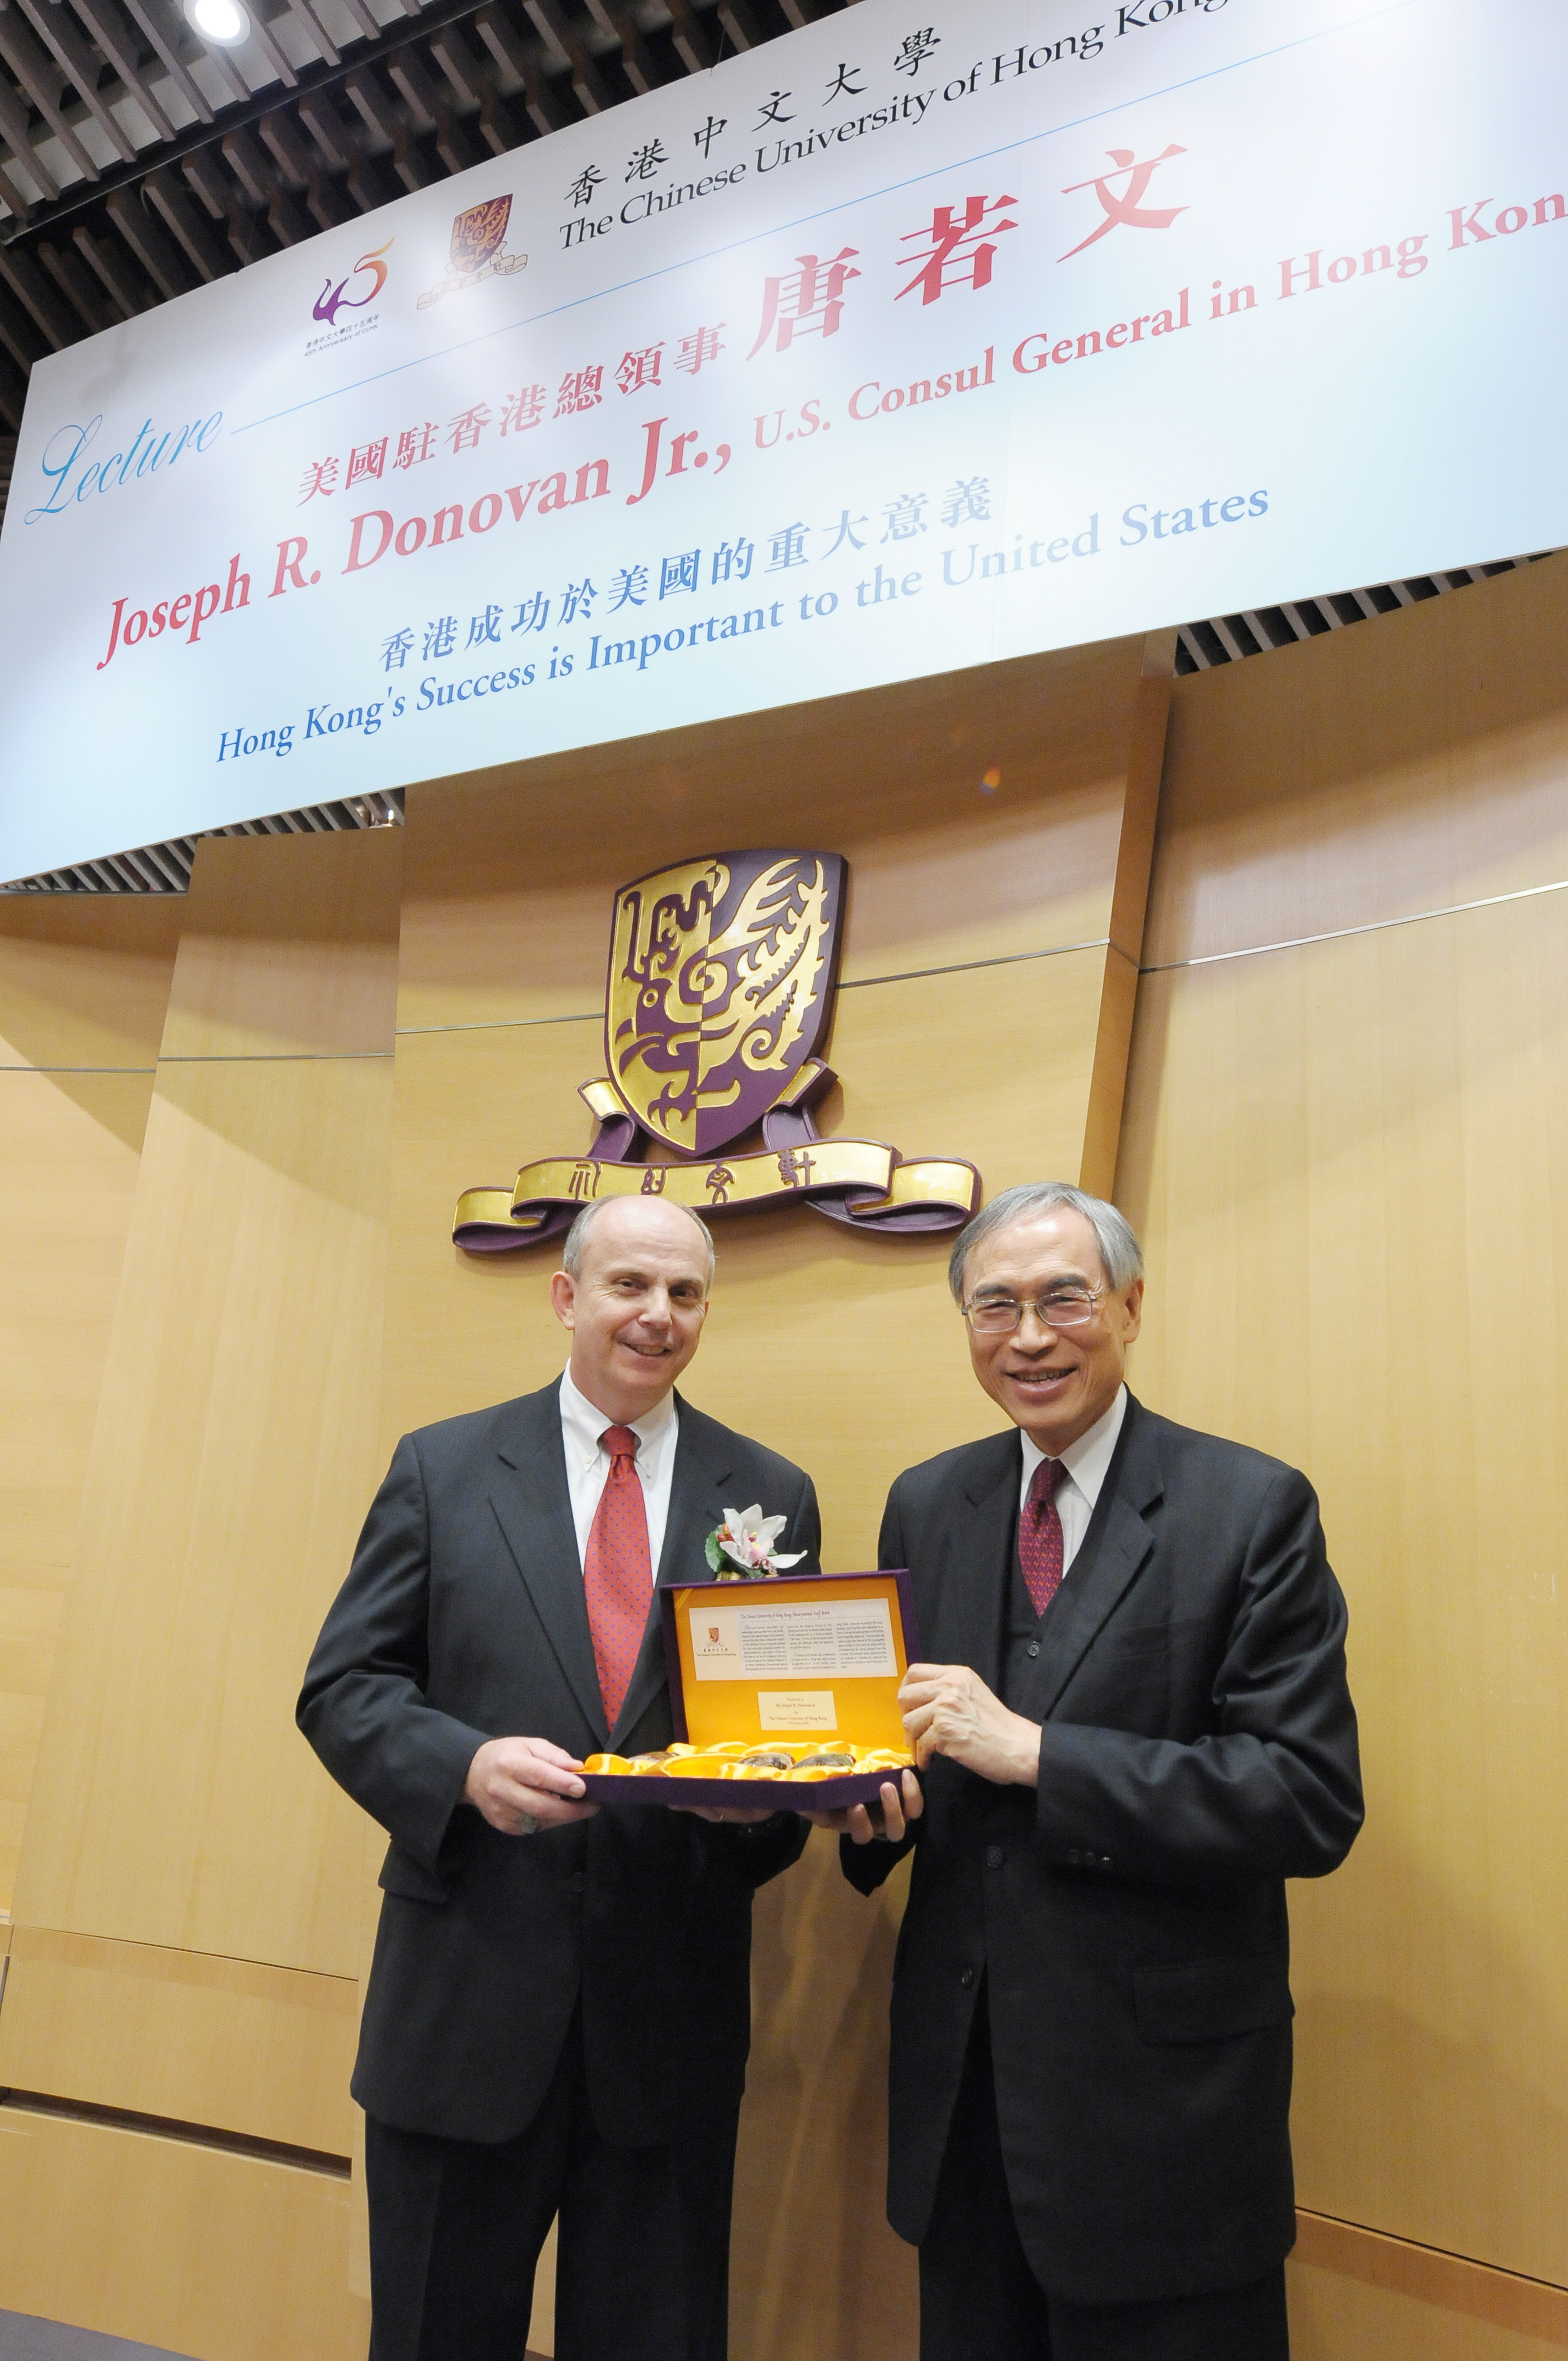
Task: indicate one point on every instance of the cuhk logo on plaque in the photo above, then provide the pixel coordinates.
(719, 1000)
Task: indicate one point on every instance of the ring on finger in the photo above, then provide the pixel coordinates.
(527, 1825)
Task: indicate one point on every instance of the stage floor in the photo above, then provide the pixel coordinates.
(23, 2338)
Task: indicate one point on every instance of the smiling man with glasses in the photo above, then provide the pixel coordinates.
(1134, 1726)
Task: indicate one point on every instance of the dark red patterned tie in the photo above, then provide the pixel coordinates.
(1039, 1535)
(617, 1578)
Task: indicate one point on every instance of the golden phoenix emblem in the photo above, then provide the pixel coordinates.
(721, 974)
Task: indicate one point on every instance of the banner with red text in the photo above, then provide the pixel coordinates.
(930, 334)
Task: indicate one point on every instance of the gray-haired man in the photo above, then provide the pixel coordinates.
(1134, 1727)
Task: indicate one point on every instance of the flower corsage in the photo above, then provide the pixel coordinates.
(741, 1550)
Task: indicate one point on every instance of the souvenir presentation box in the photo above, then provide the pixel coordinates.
(796, 1665)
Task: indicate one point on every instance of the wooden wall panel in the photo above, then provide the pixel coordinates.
(83, 983)
(235, 1442)
(191, 1893)
(265, 2052)
(1370, 775)
(1430, 2279)
(1334, 2317)
(1349, 1161)
(983, 1014)
(172, 2244)
(507, 916)
(84, 980)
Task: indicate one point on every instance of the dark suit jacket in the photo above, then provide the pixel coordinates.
(462, 1618)
(1128, 1916)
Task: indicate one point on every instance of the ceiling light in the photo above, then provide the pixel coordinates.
(222, 22)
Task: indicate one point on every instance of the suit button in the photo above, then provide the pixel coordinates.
(1033, 1649)
(1075, 1860)
(966, 1977)
(993, 1856)
(578, 1883)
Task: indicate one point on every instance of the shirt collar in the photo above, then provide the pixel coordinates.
(582, 1424)
(1088, 1460)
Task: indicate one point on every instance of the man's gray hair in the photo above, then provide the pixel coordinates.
(1119, 1248)
(572, 1252)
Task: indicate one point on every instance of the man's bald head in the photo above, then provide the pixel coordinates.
(572, 1252)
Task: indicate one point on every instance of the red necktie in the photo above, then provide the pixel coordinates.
(617, 1578)
(1039, 1535)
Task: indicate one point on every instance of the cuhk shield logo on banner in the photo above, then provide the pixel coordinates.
(478, 251)
(722, 976)
(478, 234)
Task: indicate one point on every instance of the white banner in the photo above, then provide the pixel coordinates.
(931, 334)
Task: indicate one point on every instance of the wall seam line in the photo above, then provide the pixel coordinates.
(1372, 926)
(856, 984)
(325, 2162)
(1445, 2254)
(187, 1952)
(963, 967)
(269, 1057)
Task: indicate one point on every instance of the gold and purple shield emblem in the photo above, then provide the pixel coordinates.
(721, 975)
(478, 234)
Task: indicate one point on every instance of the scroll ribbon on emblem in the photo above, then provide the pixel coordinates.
(861, 1182)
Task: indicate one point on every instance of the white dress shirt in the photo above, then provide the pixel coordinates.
(1086, 1462)
(588, 1464)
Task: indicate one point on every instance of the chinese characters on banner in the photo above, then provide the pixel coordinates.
(906, 342)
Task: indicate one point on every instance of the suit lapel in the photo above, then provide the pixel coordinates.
(703, 1459)
(533, 1508)
(1125, 1543)
(969, 1620)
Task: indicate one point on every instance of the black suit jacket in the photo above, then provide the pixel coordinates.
(1199, 1748)
(462, 1618)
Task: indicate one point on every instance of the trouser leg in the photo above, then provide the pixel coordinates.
(456, 2227)
(979, 2299)
(980, 2302)
(1245, 2323)
(642, 2264)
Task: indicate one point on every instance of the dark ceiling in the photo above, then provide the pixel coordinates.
(138, 161)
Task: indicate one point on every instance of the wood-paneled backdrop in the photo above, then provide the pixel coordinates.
(1344, 1136)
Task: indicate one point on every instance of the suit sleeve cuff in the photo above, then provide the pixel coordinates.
(1064, 1812)
(453, 1746)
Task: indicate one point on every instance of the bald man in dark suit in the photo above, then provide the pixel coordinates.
(559, 2009)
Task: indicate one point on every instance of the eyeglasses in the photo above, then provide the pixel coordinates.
(1064, 1307)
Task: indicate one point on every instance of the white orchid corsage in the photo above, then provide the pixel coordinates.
(742, 1548)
